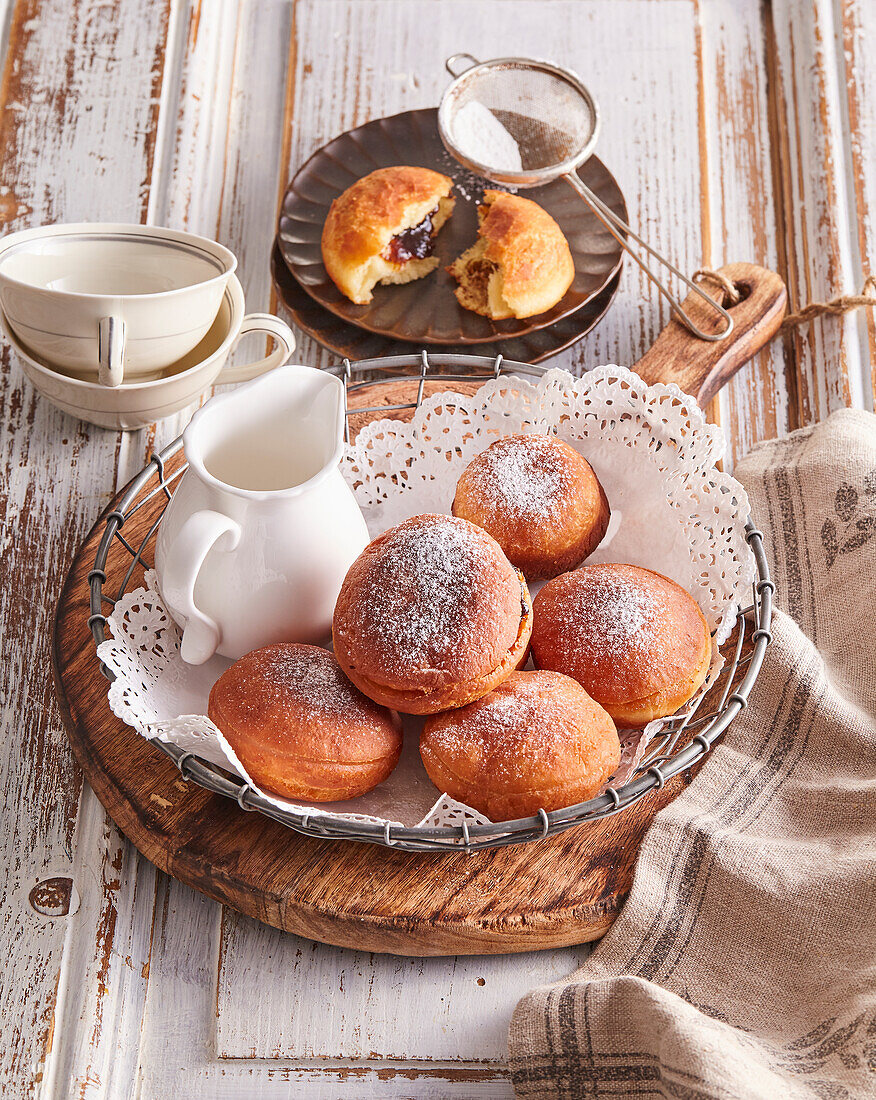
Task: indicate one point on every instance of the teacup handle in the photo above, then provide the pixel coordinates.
(271, 326)
(185, 557)
(111, 351)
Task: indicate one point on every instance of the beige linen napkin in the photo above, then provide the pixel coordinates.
(743, 965)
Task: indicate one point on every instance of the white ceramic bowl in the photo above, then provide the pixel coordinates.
(138, 404)
(111, 302)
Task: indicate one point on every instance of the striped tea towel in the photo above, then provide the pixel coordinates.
(743, 966)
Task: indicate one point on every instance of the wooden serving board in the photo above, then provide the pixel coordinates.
(563, 890)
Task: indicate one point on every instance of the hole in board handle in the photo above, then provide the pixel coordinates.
(742, 289)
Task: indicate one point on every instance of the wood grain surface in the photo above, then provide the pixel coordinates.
(738, 129)
(56, 474)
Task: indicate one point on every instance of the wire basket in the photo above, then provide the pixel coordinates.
(682, 742)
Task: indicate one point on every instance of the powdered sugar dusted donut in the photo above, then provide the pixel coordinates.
(538, 741)
(431, 615)
(539, 499)
(635, 640)
(300, 728)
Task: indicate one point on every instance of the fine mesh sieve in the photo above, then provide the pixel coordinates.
(523, 123)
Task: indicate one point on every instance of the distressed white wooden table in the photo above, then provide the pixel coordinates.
(738, 129)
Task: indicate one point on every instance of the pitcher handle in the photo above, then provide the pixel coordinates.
(185, 557)
(271, 326)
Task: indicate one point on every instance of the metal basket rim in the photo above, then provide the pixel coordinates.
(448, 838)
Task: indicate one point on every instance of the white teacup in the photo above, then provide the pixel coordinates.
(111, 303)
(139, 404)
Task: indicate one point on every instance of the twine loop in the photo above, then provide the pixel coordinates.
(706, 274)
(834, 307)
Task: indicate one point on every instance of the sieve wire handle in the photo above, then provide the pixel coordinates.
(618, 227)
(456, 57)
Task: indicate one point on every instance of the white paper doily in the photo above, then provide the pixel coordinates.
(672, 511)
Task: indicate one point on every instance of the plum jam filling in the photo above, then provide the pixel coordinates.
(412, 244)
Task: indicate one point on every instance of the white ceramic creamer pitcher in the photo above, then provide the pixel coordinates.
(255, 543)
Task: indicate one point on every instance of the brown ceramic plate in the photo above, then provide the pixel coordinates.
(426, 311)
(350, 342)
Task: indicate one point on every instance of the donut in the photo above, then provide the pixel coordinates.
(300, 728)
(539, 499)
(431, 615)
(634, 639)
(537, 741)
(382, 229)
(519, 266)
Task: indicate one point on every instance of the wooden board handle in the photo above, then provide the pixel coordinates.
(701, 368)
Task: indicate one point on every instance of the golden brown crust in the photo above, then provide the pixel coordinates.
(539, 499)
(431, 615)
(538, 741)
(362, 221)
(634, 639)
(639, 712)
(534, 267)
(300, 728)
